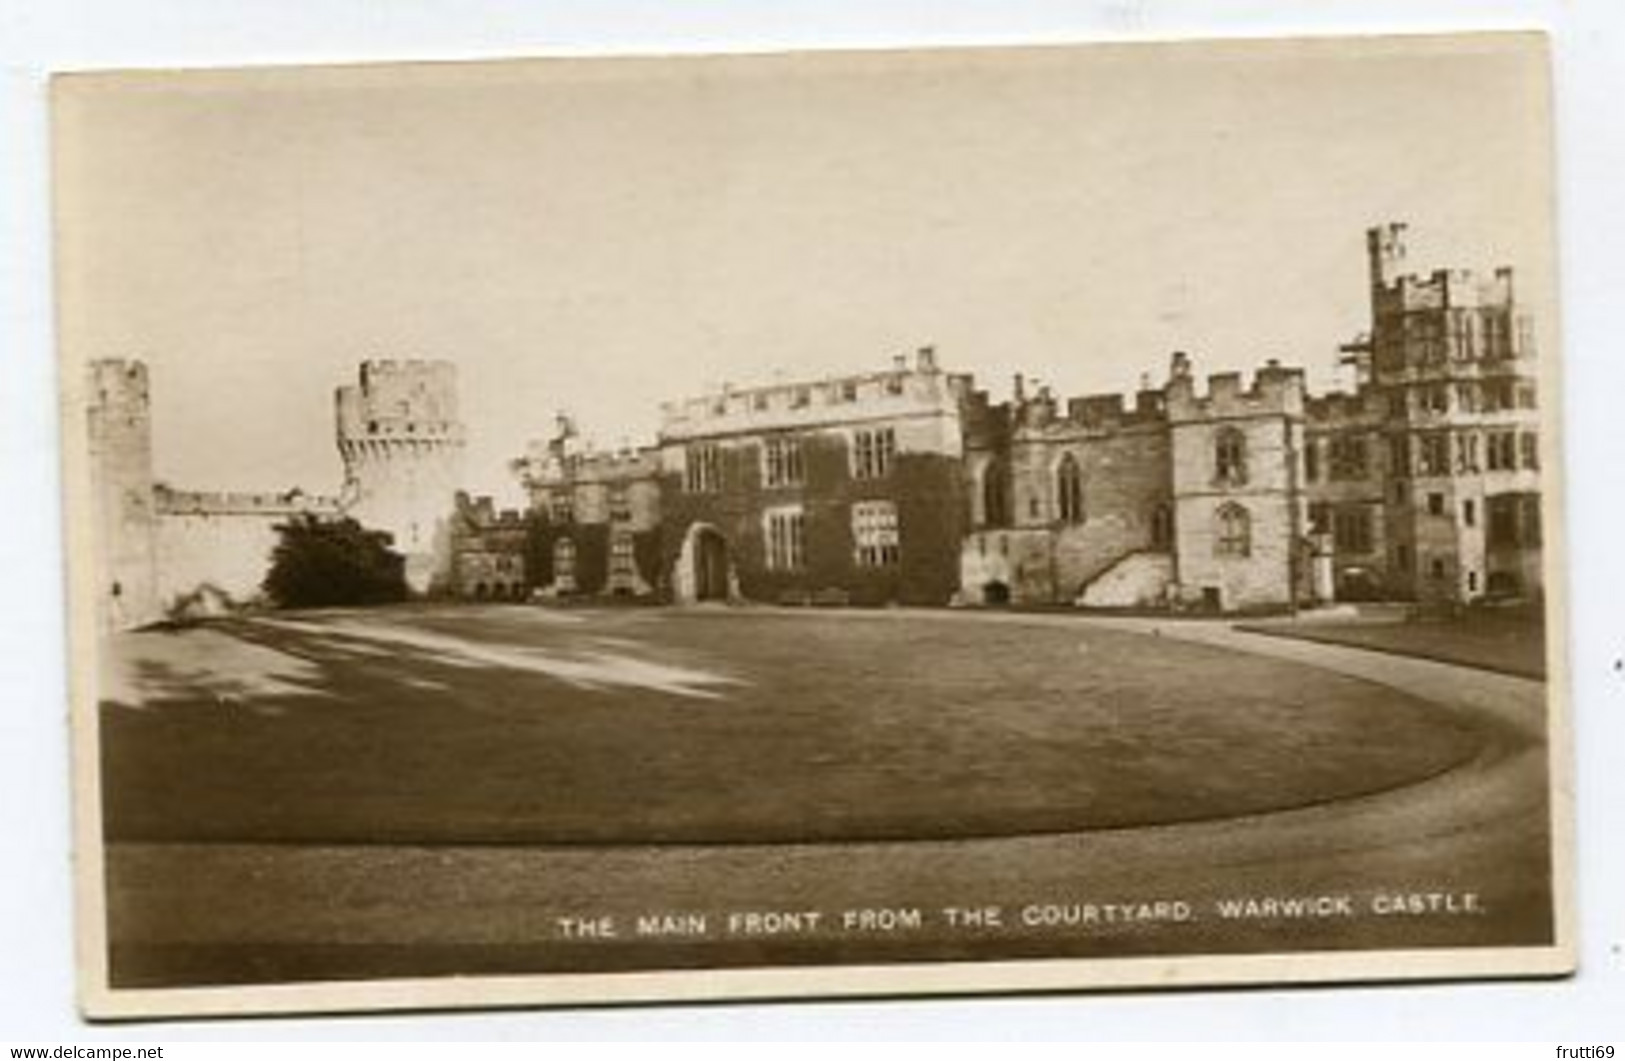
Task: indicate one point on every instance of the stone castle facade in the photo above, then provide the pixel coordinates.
(910, 485)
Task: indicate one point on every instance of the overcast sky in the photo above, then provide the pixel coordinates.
(600, 236)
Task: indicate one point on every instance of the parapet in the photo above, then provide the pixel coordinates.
(1336, 408)
(1396, 291)
(172, 502)
(481, 513)
(544, 465)
(118, 381)
(1276, 390)
(405, 401)
(1095, 411)
(906, 387)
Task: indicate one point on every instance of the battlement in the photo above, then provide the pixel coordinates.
(118, 381)
(1276, 390)
(547, 463)
(1340, 407)
(1396, 290)
(906, 388)
(1111, 410)
(1447, 289)
(172, 502)
(482, 513)
(412, 400)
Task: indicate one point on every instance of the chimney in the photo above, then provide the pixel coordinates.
(925, 359)
(1179, 366)
(899, 362)
(1020, 388)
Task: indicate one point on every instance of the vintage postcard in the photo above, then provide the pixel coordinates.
(594, 530)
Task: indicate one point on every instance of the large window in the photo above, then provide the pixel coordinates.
(703, 467)
(1399, 454)
(564, 565)
(995, 495)
(1162, 527)
(1351, 530)
(1234, 535)
(874, 533)
(1230, 456)
(1435, 456)
(1069, 489)
(1514, 520)
(872, 452)
(1349, 457)
(561, 506)
(781, 461)
(784, 530)
(1467, 452)
(622, 561)
(1503, 451)
(1529, 450)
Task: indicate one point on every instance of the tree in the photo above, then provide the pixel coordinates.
(318, 563)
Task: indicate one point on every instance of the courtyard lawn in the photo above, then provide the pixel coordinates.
(516, 724)
(1509, 642)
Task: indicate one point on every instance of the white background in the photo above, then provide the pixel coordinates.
(38, 36)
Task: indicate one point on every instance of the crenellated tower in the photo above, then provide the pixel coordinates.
(126, 518)
(1239, 513)
(402, 441)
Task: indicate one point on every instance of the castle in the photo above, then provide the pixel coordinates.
(166, 552)
(910, 485)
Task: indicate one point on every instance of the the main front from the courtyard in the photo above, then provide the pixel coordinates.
(911, 486)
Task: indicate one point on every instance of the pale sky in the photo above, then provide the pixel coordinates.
(599, 236)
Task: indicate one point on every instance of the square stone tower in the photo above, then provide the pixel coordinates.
(1452, 356)
(126, 518)
(1239, 512)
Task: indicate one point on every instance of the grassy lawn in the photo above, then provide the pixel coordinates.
(522, 725)
(1510, 642)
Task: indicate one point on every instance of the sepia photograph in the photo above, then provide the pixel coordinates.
(577, 530)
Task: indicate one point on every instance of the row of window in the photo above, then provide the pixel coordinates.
(561, 504)
(1481, 396)
(1349, 526)
(838, 393)
(1505, 450)
(1514, 520)
(1432, 337)
(622, 563)
(873, 452)
(875, 538)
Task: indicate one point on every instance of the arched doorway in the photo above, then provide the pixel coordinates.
(710, 565)
(703, 571)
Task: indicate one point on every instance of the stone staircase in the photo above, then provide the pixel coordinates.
(1138, 580)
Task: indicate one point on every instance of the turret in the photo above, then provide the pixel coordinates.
(402, 444)
(120, 428)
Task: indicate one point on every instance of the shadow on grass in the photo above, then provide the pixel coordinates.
(403, 727)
